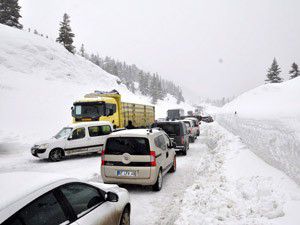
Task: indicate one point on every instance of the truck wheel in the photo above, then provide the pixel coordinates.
(173, 168)
(56, 155)
(158, 185)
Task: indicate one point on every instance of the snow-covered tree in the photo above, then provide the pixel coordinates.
(82, 50)
(273, 73)
(294, 72)
(10, 13)
(65, 34)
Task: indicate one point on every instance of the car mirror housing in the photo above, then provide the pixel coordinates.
(111, 197)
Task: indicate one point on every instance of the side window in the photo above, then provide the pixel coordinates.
(110, 109)
(82, 197)
(156, 142)
(96, 131)
(106, 129)
(43, 211)
(184, 129)
(160, 142)
(78, 133)
(14, 221)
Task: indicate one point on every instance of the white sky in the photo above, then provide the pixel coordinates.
(215, 48)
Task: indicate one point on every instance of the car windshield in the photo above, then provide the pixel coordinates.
(89, 110)
(170, 128)
(131, 145)
(65, 132)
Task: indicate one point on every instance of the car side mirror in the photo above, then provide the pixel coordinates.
(72, 111)
(111, 197)
(70, 137)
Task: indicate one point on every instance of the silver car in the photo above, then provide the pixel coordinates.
(138, 156)
(45, 199)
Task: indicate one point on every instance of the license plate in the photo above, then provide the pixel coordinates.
(126, 173)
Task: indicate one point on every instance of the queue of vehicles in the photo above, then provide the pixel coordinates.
(128, 156)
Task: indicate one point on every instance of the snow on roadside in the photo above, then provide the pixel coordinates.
(39, 81)
(236, 187)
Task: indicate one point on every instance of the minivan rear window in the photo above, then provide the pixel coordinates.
(131, 145)
(170, 128)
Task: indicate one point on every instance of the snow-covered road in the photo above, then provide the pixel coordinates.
(219, 182)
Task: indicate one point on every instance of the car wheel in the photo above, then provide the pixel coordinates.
(55, 155)
(184, 151)
(158, 185)
(173, 168)
(192, 139)
(125, 219)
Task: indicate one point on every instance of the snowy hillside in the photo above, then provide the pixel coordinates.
(39, 80)
(268, 120)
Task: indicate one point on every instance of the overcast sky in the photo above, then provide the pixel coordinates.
(214, 48)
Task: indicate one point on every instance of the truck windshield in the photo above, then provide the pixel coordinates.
(89, 110)
(131, 145)
(65, 132)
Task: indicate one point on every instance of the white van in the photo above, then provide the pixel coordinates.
(79, 138)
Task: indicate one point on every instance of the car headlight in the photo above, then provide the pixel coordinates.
(43, 146)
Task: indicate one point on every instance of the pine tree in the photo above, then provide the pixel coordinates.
(154, 89)
(82, 50)
(10, 13)
(65, 34)
(273, 73)
(294, 71)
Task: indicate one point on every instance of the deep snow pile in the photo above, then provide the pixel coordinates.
(39, 80)
(268, 121)
(235, 187)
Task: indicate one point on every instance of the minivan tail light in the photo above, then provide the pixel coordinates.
(182, 140)
(102, 157)
(152, 158)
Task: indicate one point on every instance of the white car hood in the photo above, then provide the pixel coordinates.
(48, 141)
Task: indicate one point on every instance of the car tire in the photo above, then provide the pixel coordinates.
(125, 219)
(192, 139)
(173, 168)
(56, 155)
(184, 151)
(159, 181)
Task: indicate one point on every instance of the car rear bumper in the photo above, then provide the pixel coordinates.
(130, 180)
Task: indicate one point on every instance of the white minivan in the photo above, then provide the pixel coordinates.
(79, 138)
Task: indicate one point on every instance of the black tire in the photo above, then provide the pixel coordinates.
(184, 150)
(192, 139)
(159, 181)
(56, 155)
(173, 168)
(125, 219)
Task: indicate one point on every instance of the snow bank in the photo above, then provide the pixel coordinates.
(237, 187)
(40, 79)
(268, 121)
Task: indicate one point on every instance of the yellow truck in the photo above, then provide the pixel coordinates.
(107, 106)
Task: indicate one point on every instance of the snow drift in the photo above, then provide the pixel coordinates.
(40, 79)
(268, 120)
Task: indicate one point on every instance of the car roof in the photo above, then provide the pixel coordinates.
(135, 132)
(186, 120)
(94, 123)
(191, 118)
(18, 185)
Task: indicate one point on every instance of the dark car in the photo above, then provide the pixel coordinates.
(176, 130)
(207, 119)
